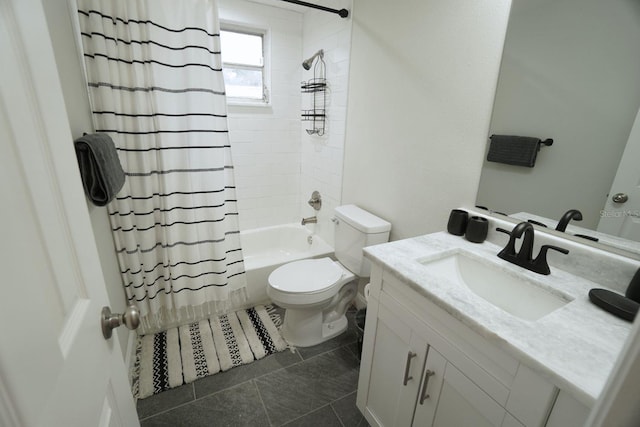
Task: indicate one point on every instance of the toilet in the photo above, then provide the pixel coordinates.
(316, 293)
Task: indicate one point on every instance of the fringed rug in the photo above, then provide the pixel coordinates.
(181, 355)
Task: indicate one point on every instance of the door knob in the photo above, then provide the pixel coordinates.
(130, 318)
(620, 198)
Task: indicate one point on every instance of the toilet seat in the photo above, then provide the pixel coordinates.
(305, 276)
(308, 281)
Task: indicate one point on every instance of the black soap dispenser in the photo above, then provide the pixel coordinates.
(633, 291)
(626, 307)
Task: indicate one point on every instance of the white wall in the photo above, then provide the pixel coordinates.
(423, 77)
(572, 77)
(265, 141)
(77, 104)
(322, 156)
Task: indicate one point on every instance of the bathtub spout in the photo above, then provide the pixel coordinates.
(310, 220)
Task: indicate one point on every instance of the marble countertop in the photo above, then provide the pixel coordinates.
(575, 346)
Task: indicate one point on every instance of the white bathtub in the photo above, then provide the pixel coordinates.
(267, 248)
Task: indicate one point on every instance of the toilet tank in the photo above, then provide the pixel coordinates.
(355, 229)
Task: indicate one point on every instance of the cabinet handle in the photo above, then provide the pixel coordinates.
(407, 367)
(424, 396)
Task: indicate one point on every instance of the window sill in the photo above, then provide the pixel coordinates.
(238, 103)
(243, 107)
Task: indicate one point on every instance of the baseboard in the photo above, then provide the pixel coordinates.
(130, 355)
(130, 351)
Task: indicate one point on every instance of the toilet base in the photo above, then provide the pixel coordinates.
(306, 325)
(302, 328)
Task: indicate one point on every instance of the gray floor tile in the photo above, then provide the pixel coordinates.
(294, 390)
(353, 347)
(348, 412)
(323, 417)
(240, 374)
(346, 338)
(301, 388)
(235, 407)
(166, 400)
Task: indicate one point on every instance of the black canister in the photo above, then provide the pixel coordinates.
(633, 291)
(457, 224)
(477, 229)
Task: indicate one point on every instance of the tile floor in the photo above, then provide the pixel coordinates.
(314, 386)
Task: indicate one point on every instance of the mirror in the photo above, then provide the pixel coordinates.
(571, 72)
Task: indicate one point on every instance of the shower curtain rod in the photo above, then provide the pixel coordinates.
(342, 12)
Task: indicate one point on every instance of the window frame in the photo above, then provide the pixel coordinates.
(266, 64)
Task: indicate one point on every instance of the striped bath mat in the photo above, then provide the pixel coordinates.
(181, 355)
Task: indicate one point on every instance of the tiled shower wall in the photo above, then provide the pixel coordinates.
(265, 140)
(277, 164)
(322, 157)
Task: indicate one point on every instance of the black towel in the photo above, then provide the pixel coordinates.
(100, 169)
(514, 150)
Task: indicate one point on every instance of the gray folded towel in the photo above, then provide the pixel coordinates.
(514, 150)
(100, 168)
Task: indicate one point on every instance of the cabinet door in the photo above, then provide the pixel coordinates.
(567, 412)
(398, 358)
(432, 379)
(510, 421)
(462, 403)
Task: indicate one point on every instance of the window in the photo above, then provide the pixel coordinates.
(243, 65)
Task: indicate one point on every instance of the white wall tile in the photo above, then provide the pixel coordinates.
(266, 152)
(278, 164)
(322, 157)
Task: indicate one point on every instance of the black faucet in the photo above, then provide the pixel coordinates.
(524, 258)
(568, 216)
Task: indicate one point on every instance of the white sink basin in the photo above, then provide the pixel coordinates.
(515, 295)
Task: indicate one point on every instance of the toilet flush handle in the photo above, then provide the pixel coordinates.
(335, 220)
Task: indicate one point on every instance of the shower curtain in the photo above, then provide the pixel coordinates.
(155, 84)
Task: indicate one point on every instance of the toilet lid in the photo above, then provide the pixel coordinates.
(305, 276)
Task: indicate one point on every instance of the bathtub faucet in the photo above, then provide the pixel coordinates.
(310, 220)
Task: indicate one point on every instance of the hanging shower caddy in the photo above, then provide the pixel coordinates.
(317, 88)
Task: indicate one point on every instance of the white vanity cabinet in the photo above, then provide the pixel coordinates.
(421, 367)
(409, 378)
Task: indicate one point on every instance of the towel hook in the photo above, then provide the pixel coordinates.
(548, 142)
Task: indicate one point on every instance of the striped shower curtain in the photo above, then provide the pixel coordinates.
(155, 85)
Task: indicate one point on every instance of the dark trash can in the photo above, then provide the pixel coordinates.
(360, 320)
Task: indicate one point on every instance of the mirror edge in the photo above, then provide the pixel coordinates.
(563, 235)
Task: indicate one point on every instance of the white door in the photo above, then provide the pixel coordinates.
(623, 218)
(56, 369)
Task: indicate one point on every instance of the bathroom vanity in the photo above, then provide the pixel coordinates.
(441, 350)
